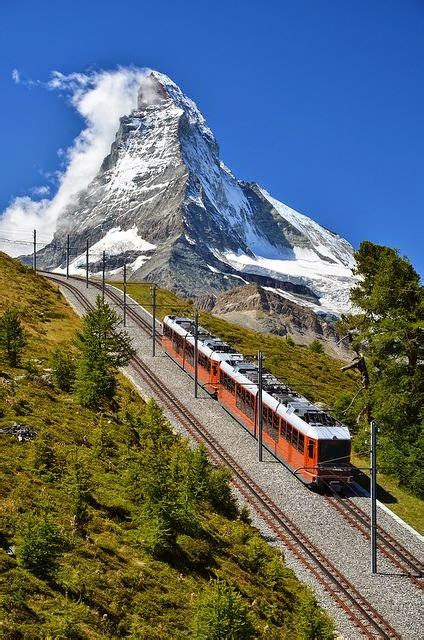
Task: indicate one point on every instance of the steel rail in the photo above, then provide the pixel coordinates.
(357, 608)
(387, 544)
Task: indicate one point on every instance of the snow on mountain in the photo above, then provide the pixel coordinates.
(164, 201)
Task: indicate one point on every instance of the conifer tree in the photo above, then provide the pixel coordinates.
(103, 347)
(388, 337)
(12, 336)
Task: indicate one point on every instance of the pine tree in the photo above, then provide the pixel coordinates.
(12, 336)
(103, 348)
(388, 337)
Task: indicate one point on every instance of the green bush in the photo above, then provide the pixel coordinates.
(39, 546)
(63, 370)
(197, 551)
(43, 456)
(155, 535)
(257, 553)
(316, 346)
(219, 492)
(221, 615)
(12, 336)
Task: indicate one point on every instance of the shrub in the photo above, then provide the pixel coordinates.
(39, 546)
(78, 484)
(219, 492)
(12, 336)
(197, 551)
(63, 370)
(155, 535)
(257, 553)
(43, 456)
(221, 615)
(316, 346)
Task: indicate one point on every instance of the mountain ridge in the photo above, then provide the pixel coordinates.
(189, 224)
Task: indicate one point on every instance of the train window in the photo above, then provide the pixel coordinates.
(301, 443)
(311, 448)
(336, 451)
(289, 432)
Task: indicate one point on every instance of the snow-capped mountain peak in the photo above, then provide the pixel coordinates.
(189, 223)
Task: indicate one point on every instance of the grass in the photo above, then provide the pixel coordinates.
(406, 506)
(317, 376)
(107, 585)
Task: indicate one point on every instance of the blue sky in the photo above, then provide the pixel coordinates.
(321, 102)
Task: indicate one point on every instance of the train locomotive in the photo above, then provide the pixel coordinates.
(306, 439)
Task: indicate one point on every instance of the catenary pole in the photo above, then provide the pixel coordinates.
(196, 337)
(67, 257)
(154, 319)
(103, 274)
(260, 411)
(86, 265)
(34, 255)
(373, 496)
(125, 292)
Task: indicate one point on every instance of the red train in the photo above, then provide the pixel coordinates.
(306, 439)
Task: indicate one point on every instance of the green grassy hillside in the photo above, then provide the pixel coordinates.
(107, 582)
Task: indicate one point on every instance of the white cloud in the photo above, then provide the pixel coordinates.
(101, 98)
(16, 76)
(43, 190)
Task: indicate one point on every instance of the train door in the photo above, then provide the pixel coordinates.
(311, 452)
(214, 372)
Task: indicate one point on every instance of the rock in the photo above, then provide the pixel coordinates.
(20, 431)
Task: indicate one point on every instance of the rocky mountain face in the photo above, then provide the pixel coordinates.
(268, 310)
(164, 202)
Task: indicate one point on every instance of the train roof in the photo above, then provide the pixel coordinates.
(305, 416)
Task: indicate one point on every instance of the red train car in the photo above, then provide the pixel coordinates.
(305, 438)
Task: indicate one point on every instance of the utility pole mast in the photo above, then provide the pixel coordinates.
(86, 265)
(34, 255)
(125, 292)
(259, 407)
(153, 290)
(67, 257)
(373, 496)
(196, 337)
(103, 274)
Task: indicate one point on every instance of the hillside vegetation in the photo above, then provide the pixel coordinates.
(110, 525)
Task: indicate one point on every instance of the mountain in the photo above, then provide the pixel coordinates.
(165, 201)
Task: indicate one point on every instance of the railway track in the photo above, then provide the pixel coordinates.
(348, 509)
(362, 614)
(386, 543)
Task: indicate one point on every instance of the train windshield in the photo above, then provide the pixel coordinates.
(334, 452)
